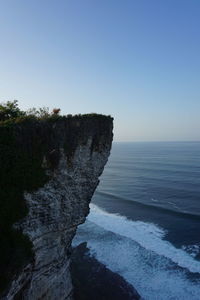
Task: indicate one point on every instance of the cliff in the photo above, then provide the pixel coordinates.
(49, 172)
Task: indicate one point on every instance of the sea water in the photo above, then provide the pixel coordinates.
(144, 220)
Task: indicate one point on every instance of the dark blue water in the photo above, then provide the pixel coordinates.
(145, 218)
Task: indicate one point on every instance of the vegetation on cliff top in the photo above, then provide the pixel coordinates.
(11, 114)
(21, 170)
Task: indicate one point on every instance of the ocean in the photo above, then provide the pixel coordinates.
(144, 220)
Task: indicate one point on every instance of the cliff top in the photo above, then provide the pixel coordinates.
(11, 114)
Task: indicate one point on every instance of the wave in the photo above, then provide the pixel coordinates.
(147, 235)
(136, 250)
(193, 250)
(154, 205)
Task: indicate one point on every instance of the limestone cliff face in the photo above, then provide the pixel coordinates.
(76, 153)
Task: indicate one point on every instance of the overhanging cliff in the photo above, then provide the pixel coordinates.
(49, 172)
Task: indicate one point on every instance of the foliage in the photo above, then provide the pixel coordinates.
(40, 113)
(56, 111)
(10, 113)
(10, 110)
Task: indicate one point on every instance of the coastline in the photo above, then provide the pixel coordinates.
(93, 280)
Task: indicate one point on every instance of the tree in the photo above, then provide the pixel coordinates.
(10, 110)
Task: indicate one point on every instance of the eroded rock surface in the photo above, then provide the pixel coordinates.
(78, 150)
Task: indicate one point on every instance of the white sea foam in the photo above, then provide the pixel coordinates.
(193, 250)
(137, 251)
(147, 235)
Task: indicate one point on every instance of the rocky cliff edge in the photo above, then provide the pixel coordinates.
(52, 168)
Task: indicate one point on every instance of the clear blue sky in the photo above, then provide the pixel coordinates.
(138, 60)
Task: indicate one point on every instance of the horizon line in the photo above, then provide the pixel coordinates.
(162, 141)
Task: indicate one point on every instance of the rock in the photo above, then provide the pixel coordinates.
(74, 158)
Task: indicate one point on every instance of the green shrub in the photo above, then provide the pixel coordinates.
(10, 110)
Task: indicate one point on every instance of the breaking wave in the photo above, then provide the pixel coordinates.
(138, 252)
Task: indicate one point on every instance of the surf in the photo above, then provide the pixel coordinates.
(138, 252)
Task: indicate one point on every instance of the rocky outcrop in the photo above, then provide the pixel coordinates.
(75, 153)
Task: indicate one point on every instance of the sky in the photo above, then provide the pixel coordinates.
(137, 60)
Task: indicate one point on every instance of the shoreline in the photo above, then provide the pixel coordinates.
(93, 280)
